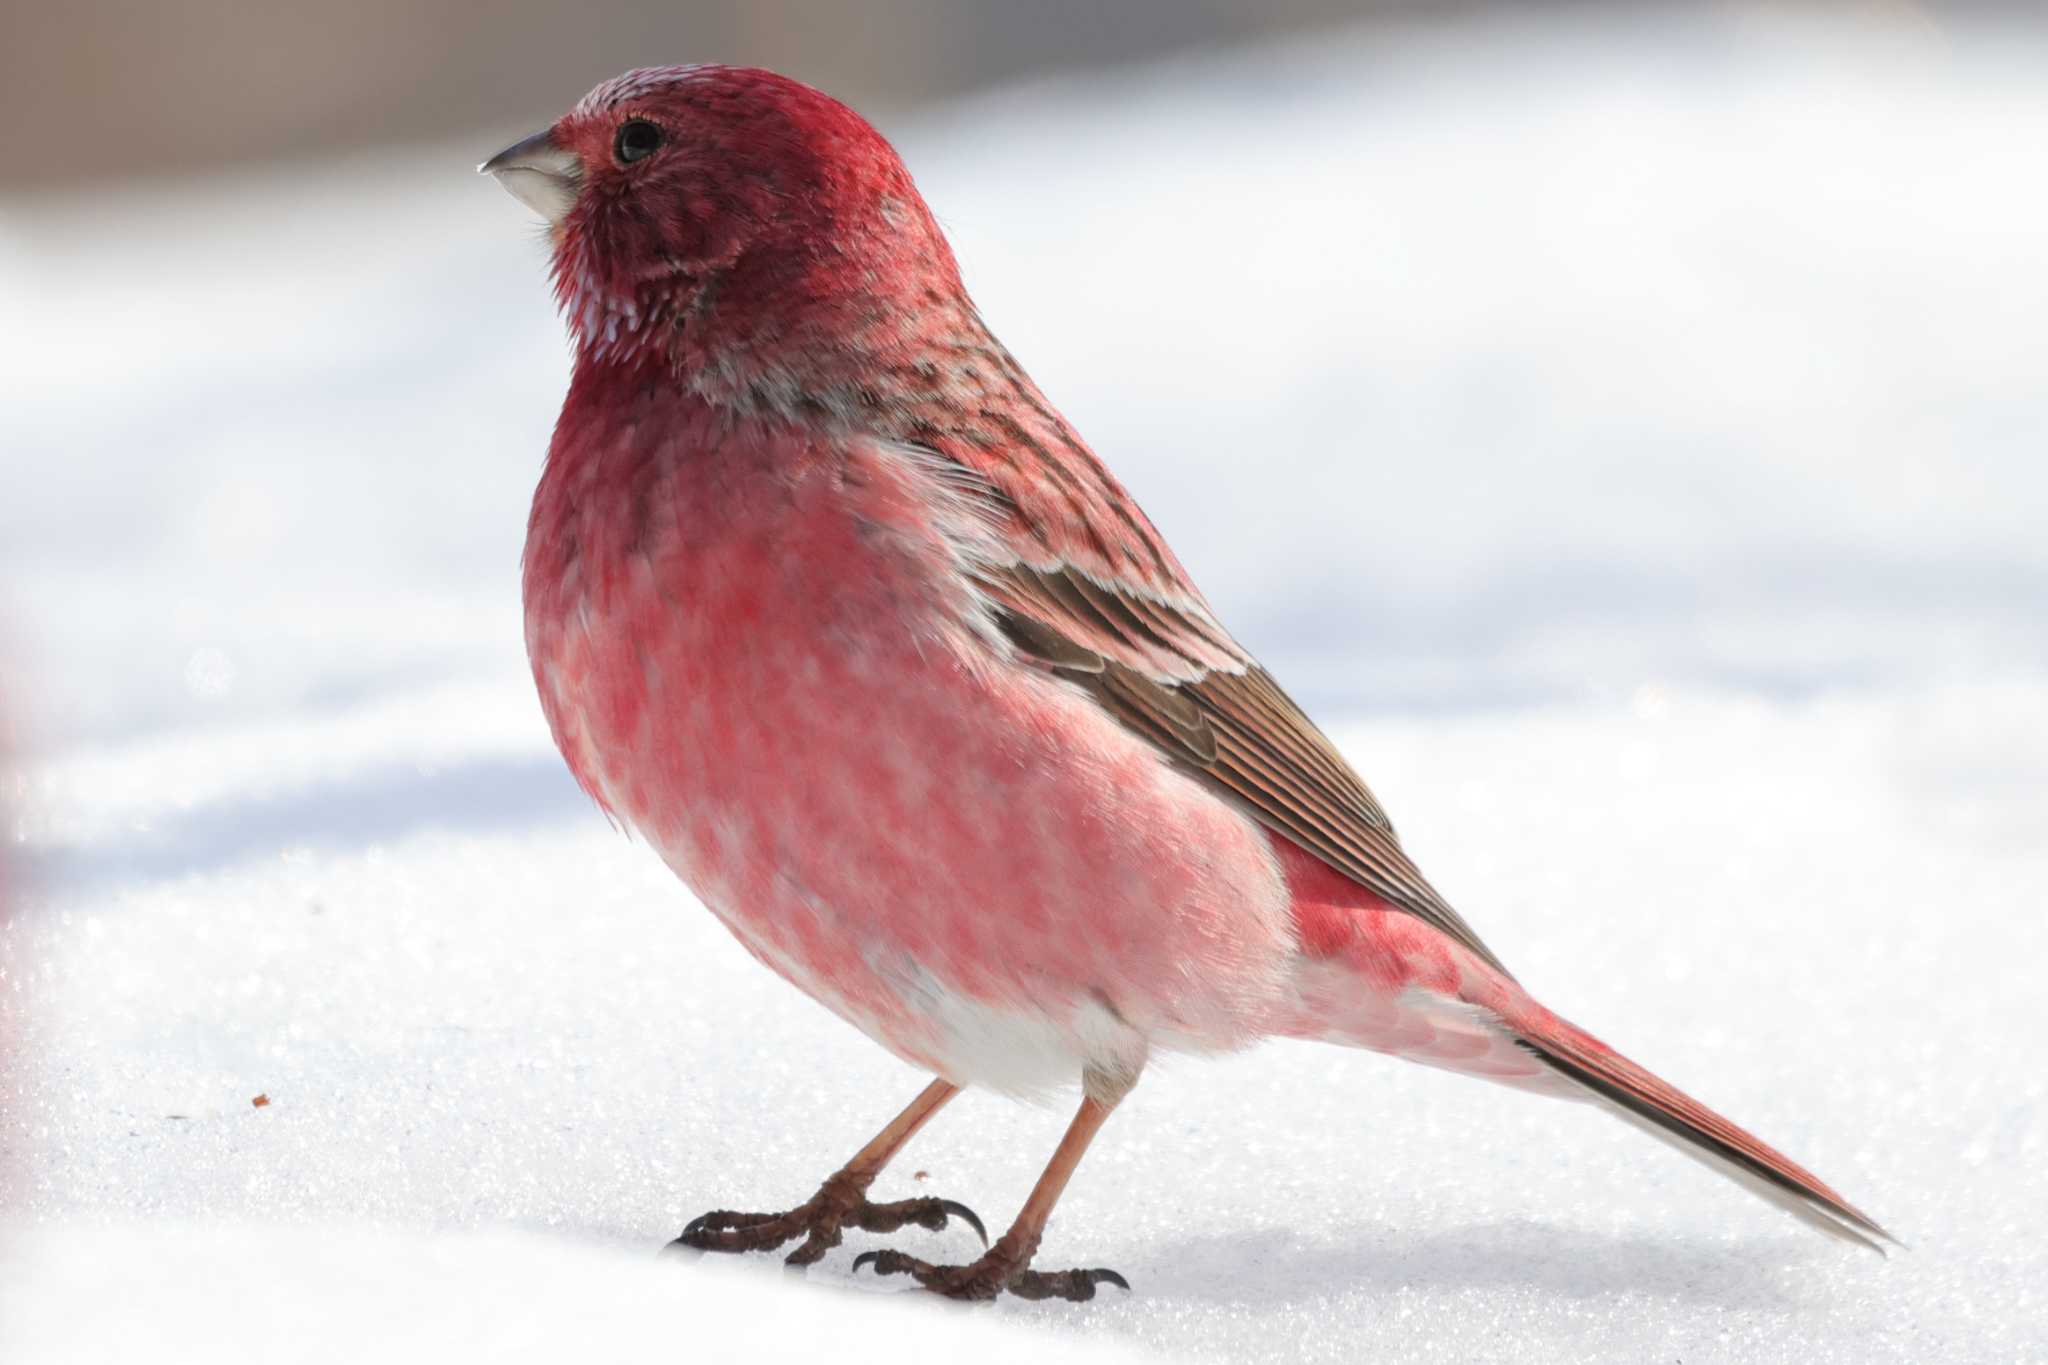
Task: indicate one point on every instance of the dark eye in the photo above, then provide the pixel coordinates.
(637, 139)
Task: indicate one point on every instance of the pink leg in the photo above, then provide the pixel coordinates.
(1006, 1265)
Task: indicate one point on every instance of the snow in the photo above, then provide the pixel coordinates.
(360, 1294)
(1626, 439)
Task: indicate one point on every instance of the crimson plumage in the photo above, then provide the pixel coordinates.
(827, 601)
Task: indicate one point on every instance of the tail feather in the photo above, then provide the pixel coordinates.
(1669, 1114)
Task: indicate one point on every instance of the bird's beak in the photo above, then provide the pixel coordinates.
(540, 173)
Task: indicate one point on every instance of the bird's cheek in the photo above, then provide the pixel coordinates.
(704, 231)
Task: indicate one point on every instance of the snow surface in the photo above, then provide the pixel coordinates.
(1627, 440)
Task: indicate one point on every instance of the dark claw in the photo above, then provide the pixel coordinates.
(1110, 1277)
(865, 1258)
(967, 1216)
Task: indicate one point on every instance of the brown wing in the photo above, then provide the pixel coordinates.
(1082, 583)
(1170, 673)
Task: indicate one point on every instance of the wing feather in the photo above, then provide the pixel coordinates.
(1231, 726)
(1130, 629)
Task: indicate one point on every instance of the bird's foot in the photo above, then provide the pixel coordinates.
(1005, 1266)
(840, 1203)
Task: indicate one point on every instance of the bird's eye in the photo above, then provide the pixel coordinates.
(637, 139)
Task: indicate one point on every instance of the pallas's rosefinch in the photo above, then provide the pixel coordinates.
(827, 601)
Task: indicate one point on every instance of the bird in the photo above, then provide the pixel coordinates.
(828, 603)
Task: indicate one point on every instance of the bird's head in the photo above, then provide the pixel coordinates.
(695, 207)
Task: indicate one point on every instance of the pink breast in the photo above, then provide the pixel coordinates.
(757, 658)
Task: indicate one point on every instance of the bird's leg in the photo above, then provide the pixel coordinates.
(1007, 1264)
(841, 1202)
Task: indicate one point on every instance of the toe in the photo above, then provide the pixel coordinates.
(724, 1230)
(1076, 1286)
(821, 1240)
(724, 1220)
(925, 1213)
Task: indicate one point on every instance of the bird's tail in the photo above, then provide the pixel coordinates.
(1665, 1112)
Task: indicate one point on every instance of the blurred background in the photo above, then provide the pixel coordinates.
(1620, 425)
(105, 90)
